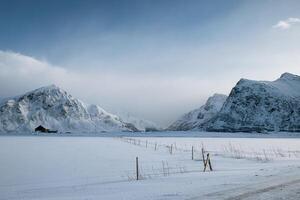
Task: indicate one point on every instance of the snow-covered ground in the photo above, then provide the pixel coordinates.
(33, 167)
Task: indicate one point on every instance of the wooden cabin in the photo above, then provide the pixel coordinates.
(42, 129)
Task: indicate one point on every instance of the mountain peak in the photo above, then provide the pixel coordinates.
(289, 76)
(260, 106)
(215, 98)
(55, 109)
(195, 119)
(50, 89)
(52, 86)
(218, 95)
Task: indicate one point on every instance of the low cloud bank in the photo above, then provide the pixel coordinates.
(152, 97)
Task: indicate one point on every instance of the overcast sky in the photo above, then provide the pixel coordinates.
(153, 59)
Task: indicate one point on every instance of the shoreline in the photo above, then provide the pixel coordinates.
(185, 134)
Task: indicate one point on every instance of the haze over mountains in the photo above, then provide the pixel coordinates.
(252, 106)
(195, 119)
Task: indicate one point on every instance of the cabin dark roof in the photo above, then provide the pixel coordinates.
(41, 129)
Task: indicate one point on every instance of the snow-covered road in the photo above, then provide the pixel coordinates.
(272, 189)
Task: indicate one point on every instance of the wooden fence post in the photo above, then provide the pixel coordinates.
(203, 158)
(207, 161)
(192, 152)
(137, 168)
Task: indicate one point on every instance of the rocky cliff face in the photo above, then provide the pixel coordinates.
(260, 106)
(53, 108)
(195, 119)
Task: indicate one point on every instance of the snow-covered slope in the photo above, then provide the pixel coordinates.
(196, 118)
(261, 106)
(54, 109)
(141, 124)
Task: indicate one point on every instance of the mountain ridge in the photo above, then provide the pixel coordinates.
(261, 106)
(54, 108)
(195, 119)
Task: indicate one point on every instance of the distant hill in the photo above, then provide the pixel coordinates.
(55, 109)
(195, 119)
(141, 124)
(261, 106)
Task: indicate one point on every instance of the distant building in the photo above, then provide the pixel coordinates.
(40, 128)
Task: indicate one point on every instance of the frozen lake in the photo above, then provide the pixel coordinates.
(60, 167)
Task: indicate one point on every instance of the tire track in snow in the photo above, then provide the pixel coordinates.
(254, 194)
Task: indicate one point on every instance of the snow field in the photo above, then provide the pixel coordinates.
(104, 168)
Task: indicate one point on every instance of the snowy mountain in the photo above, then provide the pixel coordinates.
(141, 124)
(55, 109)
(261, 106)
(196, 118)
